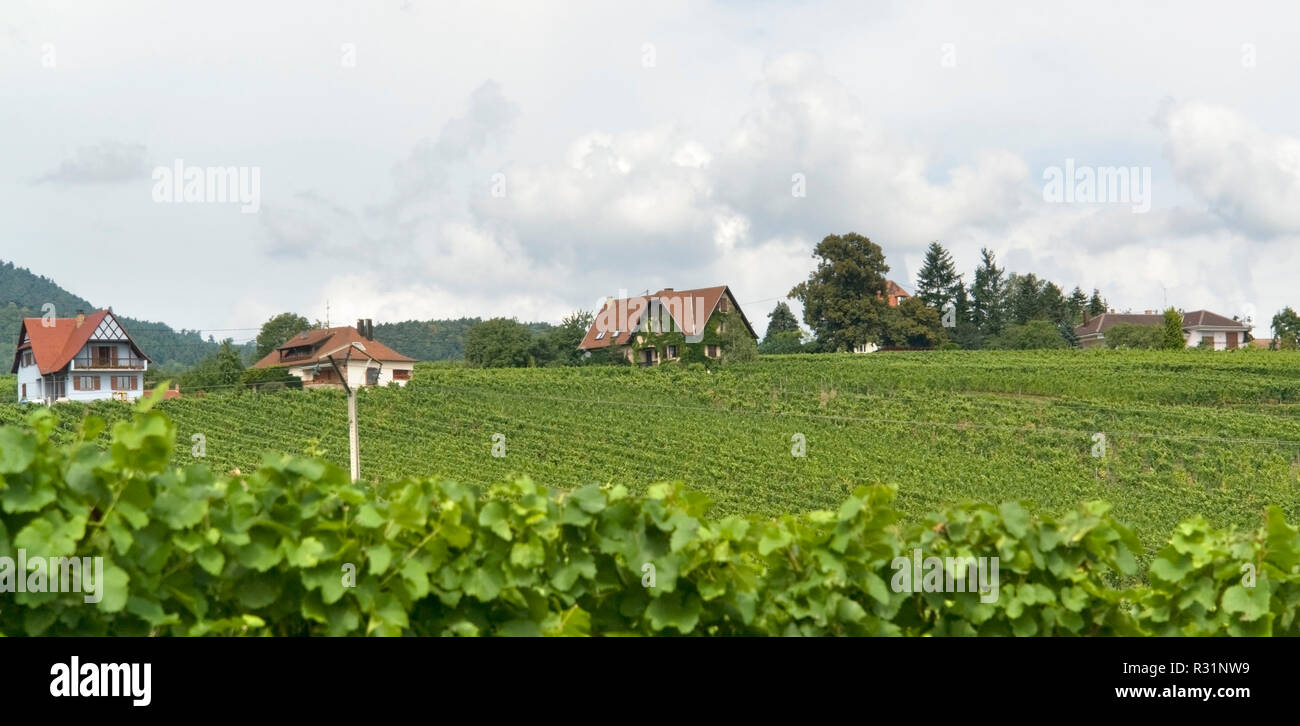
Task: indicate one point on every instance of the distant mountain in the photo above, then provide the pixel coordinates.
(23, 295)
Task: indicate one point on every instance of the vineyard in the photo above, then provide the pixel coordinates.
(1182, 433)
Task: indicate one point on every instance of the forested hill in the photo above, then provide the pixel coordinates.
(432, 339)
(23, 293)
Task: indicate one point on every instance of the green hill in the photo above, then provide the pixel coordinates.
(23, 294)
(1187, 432)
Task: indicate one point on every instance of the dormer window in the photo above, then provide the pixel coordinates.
(600, 335)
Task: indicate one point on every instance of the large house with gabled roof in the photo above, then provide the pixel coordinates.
(84, 358)
(669, 325)
(319, 356)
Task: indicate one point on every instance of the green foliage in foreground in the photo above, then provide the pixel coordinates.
(190, 553)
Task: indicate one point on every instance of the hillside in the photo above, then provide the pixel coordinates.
(432, 340)
(1187, 432)
(23, 295)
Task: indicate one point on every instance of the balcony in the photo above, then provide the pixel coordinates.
(101, 363)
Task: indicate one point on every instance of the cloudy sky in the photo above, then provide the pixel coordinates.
(422, 159)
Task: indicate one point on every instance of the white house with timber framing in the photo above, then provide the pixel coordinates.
(85, 358)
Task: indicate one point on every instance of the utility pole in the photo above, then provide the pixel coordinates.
(354, 441)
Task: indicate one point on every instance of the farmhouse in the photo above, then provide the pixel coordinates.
(86, 358)
(670, 325)
(1200, 328)
(364, 360)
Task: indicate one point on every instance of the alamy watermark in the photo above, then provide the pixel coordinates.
(220, 184)
(53, 574)
(946, 574)
(1099, 185)
(662, 313)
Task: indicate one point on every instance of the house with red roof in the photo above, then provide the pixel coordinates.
(1201, 328)
(895, 294)
(84, 358)
(319, 356)
(669, 325)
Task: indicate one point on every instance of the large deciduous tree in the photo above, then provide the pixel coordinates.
(500, 343)
(844, 298)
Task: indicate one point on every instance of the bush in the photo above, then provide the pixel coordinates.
(297, 549)
(1128, 335)
(1034, 335)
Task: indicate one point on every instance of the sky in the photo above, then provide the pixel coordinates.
(418, 160)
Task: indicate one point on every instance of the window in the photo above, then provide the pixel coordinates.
(711, 351)
(372, 376)
(24, 390)
(600, 335)
(401, 375)
(85, 383)
(105, 355)
(122, 383)
(722, 326)
(27, 358)
(722, 304)
(1207, 341)
(672, 351)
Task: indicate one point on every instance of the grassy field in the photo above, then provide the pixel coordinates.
(1185, 432)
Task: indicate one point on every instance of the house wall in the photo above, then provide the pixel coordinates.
(105, 386)
(356, 373)
(1220, 338)
(30, 376)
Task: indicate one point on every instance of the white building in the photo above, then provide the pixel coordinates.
(86, 358)
(313, 354)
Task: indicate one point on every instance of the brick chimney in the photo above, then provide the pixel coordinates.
(81, 317)
(370, 329)
(361, 327)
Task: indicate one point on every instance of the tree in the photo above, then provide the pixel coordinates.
(913, 324)
(1172, 338)
(780, 321)
(938, 282)
(1076, 304)
(1286, 329)
(222, 369)
(788, 342)
(1032, 335)
(1096, 305)
(988, 295)
(500, 343)
(1141, 337)
(844, 298)
(737, 344)
(1025, 298)
(562, 341)
(278, 330)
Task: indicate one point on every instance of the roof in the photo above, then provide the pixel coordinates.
(623, 315)
(1192, 320)
(1261, 342)
(893, 289)
(325, 341)
(1207, 319)
(1105, 321)
(57, 341)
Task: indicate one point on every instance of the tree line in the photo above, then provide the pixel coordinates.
(845, 301)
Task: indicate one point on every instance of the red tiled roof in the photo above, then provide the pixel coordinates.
(627, 312)
(54, 345)
(324, 341)
(893, 289)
